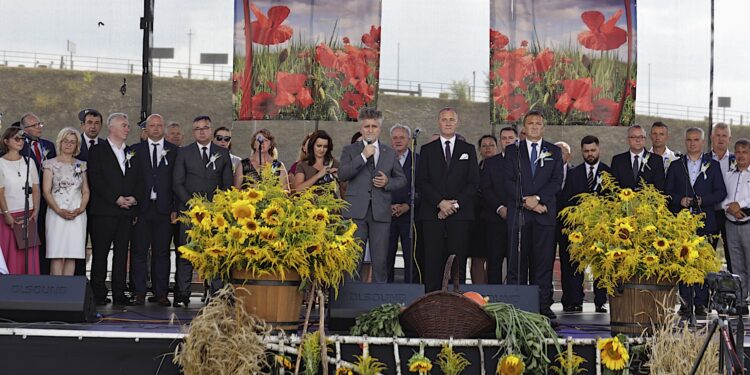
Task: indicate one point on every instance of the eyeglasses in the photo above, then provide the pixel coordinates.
(17, 139)
(37, 125)
(223, 138)
(204, 128)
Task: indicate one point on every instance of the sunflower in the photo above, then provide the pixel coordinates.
(243, 209)
(626, 194)
(199, 216)
(616, 254)
(267, 234)
(575, 237)
(237, 235)
(253, 195)
(614, 354)
(510, 364)
(251, 227)
(623, 232)
(272, 215)
(188, 254)
(220, 223)
(319, 214)
(283, 361)
(216, 251)
(419, 363)
(249, 252)
(661, 244)
(686, 252)
(344, 371)
(650, 259)
(649, 229)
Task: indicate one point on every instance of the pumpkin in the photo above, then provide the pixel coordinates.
(476, 297)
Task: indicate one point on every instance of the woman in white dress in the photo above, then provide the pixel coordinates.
(66, 190)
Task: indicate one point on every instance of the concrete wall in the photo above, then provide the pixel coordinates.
(57, 96)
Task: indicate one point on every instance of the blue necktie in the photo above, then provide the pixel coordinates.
(533, 158)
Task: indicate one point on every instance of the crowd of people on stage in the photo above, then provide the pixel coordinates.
(467, 201)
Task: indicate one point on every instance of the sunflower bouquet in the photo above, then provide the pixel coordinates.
(624, 234)
(263, 229)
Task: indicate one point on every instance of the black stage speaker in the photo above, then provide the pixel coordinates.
(32, 298)
(523, 297)
(358, 298)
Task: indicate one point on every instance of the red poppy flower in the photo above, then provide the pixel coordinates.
(325, 56)
(577, 95)
(500, 93)
(602, 36)
(355, 70)
(516, 106)
(524, 43)
(543, 61)
(606, 111)
(372, 39)
(351, 103)
(263, 104)
(514, 71)
(346, 40)
(498, 40)
(268, 30)
(290, 89)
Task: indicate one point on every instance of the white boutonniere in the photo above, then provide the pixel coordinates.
(77, 169)
(45, 152)
(545, 155)
(129, 155)
(212, 160)
(598, 183)
(704, 168)
(732, 163)
(163, 156)
(644, 164)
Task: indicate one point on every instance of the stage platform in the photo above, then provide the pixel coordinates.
(142, 339)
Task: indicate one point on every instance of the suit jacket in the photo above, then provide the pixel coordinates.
(160, 178)
(191, 176)
(652, 172)
(108, 183)
(84, 154)
(437, 181)
(492, 182)
(403, 194)
(45, 146)
(360, 191)
(545, 183)
(709, 186)
(577, 183)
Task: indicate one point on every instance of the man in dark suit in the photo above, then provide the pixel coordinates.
(371, 171)
(91, 125)
(584, 178)
(447, 184)
(114, 179)
(637, 164)
(533, 176)
(495, 208)
(156, 160)
(478, 246)
(41, 150)
(401, 205)
(200, 168)
(695, 183)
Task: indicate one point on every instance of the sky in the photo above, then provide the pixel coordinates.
(422, 40)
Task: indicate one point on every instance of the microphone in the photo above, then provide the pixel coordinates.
(28, 136)
(416, 132)
(369, 141)
(260, 138)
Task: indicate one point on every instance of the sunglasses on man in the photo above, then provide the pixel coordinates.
(223, 138)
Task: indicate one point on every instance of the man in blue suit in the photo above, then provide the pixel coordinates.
(695, 183)
(156, 159)
(534, 174)
(400, 204)
(40, 150)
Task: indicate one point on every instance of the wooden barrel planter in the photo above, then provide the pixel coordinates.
(638, 304)
(270, 298)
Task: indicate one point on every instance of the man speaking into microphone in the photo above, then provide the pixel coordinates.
(372, 171)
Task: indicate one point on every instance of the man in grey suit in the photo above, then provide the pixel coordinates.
(201, 168)
(372, 170)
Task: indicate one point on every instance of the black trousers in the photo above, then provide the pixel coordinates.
(536, 258)
(153, 231)
(497, 250)
(441, 239)
(44, 263)
(114, 232)
(81, 263)
(400, 233)
(571, 279)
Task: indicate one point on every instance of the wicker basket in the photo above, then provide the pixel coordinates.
(443, 314)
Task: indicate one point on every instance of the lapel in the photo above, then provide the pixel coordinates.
(112, 157)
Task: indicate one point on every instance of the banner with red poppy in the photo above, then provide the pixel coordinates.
(573, 60)
(305, 60)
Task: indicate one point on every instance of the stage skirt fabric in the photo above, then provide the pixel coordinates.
(15, 258)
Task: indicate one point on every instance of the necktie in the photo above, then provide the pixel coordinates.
(37, 153)
(636, 168)
(205, 155)
(533, 158)
(590, 179)
(91, 143)
(447, 152)
(154, 161)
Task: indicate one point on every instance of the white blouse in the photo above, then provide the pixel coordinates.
(14, 179)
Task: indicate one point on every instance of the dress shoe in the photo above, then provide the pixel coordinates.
(601, 309)
(139, 300)
(700, 311)
(164, 301)
(153, 299)
(685, 311)
(103, 302)
(185, 300)
(548, 313)
(123, 301)
(573, 308)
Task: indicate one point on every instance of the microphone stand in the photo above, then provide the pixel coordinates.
(26, 208)
(519, 213)
(693, 206)
(260, 153)
(412, 206)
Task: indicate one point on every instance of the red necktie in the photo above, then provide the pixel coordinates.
(37, 152)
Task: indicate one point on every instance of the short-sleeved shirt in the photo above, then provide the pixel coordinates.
(14, 180)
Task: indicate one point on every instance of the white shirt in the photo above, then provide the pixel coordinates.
(375, 156)
(88, 140)
(668, 157)
(402, 157)
(208, 149)
(159, 149)
(452, 144)
(738, 190)
(14, 179)
(724, 164)
(538, 148)
(119, 153)
(640, 158)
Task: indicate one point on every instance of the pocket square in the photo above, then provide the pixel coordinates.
(464, 156)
